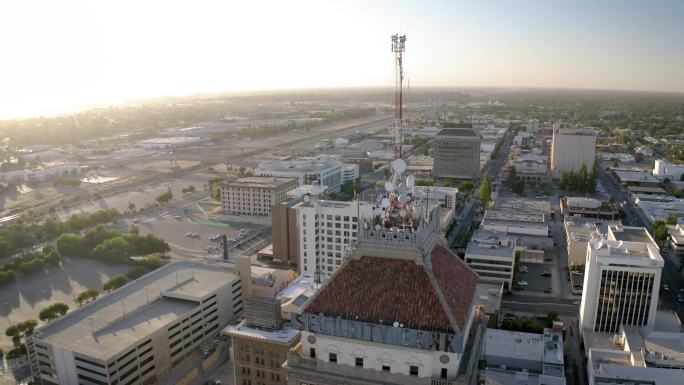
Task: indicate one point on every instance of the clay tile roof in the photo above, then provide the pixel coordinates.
(384, 290)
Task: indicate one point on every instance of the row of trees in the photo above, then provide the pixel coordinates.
(582, 182)
(485, 191)
(53, 311)
(516, 184)
(109, 245)
(23, 234)
(29, 264)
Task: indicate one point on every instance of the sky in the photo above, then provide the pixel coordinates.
(61, 56)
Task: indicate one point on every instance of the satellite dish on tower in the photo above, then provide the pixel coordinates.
(306, 198)
(403, 199)
(389, 186)
(385, 202)
(399, 166)
(402, 188)
(411, 181)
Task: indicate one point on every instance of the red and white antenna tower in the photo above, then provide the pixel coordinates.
(398, 45)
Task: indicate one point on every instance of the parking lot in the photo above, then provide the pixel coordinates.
(535, 281)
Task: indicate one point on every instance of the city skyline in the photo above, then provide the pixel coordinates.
(75, 55)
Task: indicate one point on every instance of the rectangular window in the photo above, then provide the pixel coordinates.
(359, 362)
(385, 368)
(312, 352)
(413, 370)
(332, 357)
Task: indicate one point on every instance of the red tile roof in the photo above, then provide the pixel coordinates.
(384, 290)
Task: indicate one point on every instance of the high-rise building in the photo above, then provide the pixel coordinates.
(621, 284)
(571, 148)
(400, 310)
(141, 333)
(457, 152)
(492, 255)
(285, 232)
(254, 196)
(326, 230)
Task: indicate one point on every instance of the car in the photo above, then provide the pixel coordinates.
(178, 217)
(545, 274)
(680, 299)
(575, 272)
(577, 302)
(522, 283)
(523, 269)
(232, 240)
(666, 288)
(189, 235)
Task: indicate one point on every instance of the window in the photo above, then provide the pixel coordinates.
(312, 352)
(413, 370)
(359, 362)
(385, 368)
(332, 357)
(444, 373)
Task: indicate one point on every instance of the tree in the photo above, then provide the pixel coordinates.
(6, 277)
(660, 232)
(53, 311)
(28, 267)
(134, 229)
(466, 186)
(671, 219)
(164, 198)
(12, 331)
(485, 191)
(87, 295)
(116, 282)
(116, 249)
(131, 206)
(519, 187)
(135, 272)
(583, 179)
(52, 258)
(564, 180)
(552, 316)
(512, 176)
(72, 245)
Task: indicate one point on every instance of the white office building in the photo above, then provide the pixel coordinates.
(321, 170)
(663, 169)
(492, 255)
(571, 148)
(326, 230)
(141, 333)
(621, 284)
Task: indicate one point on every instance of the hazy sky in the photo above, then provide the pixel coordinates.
(62, 55)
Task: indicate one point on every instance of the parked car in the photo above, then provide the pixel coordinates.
(522, 283)
(523, 269)
(546, 274)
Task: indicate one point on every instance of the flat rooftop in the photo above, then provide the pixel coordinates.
(300, 165)
(117, 320)
(303, 285)
(631, 234)
(467, 132)
(636, 176)
(489, 296)
(259, 182)
(283, 336)
(524, 205)
(491, 243)
(517, 345)
(494, 376)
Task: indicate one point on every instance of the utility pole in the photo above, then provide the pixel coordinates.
(398, 46)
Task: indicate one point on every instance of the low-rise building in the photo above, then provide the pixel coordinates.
(47, 172)
(516, 223)
(491, 255)
(636, 178)
(659, 207)
(254, 196)
(636, 356)
(514, 358)
(676, 239)
(169, 142)
(588, 208)
(141, 333)
(321, 170)
(531, 168)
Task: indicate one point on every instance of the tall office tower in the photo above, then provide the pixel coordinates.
(400, 310)
(621, 284)
(141, 333)
(571, 148)
(326, 230)
(533, 125)
(285, 232)
(457, 152)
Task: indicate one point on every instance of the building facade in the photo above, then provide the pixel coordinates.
(326, 230)
(140, 333)
(621, 285)
(254, 196)
(286, 233)
(457, 153)
(571, 148)
(491, 255)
